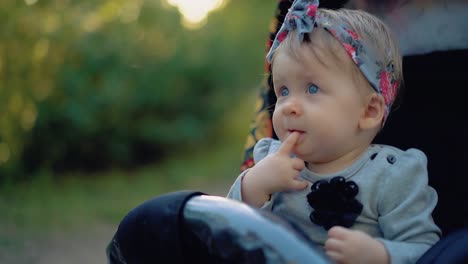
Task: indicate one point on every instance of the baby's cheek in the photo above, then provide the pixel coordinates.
(278, 128)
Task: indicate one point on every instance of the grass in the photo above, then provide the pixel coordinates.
(33, 212)
(78, 200)
(85, 200)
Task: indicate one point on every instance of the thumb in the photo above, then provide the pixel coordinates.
(288, 144)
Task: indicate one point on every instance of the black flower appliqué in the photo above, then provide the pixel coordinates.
(334, 203)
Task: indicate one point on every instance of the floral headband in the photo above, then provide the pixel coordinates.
(302, 17)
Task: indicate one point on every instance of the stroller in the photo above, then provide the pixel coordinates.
(189, 226)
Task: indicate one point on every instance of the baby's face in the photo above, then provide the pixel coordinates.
(319, 99)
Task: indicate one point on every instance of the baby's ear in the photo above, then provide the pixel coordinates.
(374, 110)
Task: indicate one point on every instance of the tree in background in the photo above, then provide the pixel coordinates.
(107, 83)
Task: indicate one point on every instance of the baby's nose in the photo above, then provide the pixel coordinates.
(292, 107)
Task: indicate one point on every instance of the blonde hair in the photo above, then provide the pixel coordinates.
(372, 31)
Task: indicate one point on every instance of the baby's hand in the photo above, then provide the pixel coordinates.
(276, 172)
(346, 246)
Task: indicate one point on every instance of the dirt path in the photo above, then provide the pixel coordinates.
(70, 247)
(78, 247)
(86, 246)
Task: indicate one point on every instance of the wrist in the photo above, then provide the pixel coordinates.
(383, 254)
(253, 191)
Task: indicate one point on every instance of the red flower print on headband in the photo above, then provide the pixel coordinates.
(351, 51)
(332, 31)
(282, 35)
(312, 10)
(389, 89)
(353, 34)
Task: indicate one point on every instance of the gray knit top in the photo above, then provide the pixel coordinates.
(393, 189)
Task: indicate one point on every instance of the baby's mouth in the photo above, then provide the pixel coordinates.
(295, 130)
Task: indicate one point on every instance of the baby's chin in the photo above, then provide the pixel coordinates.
(297, 153)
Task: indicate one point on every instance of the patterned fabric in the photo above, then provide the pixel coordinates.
(302, 17)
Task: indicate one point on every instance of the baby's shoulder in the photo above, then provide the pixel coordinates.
(392, 155)
(399, 166)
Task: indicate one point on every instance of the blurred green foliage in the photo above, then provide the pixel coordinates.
(117, 83)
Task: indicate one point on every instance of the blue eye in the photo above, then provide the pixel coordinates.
(284, 91)
(313, 89)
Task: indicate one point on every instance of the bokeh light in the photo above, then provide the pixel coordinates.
(195, 12)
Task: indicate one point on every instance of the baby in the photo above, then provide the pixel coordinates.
(336, 75)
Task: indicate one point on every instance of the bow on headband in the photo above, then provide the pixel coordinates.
(302, 17)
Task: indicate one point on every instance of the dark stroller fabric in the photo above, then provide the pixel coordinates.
(152, 232)
(451, 249)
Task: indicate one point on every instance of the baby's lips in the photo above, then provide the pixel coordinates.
(295, 130)
(301, 133)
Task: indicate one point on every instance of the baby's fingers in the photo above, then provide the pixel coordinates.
(288, 144)
(298, 185)
(298, 164)
(333, 248)
(335, 256)
(333, 245)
